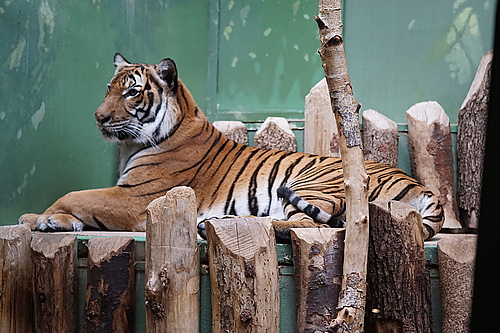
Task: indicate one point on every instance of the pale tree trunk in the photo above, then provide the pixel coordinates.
(352, 298)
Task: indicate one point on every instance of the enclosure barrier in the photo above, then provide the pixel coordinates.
(239, 281)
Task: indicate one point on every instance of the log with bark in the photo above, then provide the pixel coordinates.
(109, 296)
(234, 130)
(318, 256)
(243, 275)
(431, 156)
(380, 138)
(353, 294)
(172, 263)
(471, 141)
(275, 133)
(54, 282)
(321, 136)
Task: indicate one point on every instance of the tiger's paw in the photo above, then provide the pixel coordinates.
(29, 219)
(52, 222)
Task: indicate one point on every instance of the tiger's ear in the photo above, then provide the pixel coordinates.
(120, 62)
(167, 71)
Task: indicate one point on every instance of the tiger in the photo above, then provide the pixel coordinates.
(165, 140)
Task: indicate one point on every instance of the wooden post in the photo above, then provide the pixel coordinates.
(471, 140)
(172, 264)
(233, 130)
(456, 257)
(321, 136)
(318, 256)
(399, 297)
(429, 140)
(243, 275)
(16, 291)
(110, 285)
(54, 282)
(353, 295)
(275, 133)
(380, 138)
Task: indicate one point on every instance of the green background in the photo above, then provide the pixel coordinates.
(242, 60)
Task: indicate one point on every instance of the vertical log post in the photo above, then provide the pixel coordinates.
(172, 264)
(233, 130)
(243, 275)
(353, 295)
(380, 138)
(16, 291)
(456, 257)
(54, 282)
(321, 136)
(399, 297)
(318, 257)
(275, 133)
(429, 140)
(471, 142)
(110, 285)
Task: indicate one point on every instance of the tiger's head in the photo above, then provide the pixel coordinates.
(140, 103)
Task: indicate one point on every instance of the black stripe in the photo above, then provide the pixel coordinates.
(231, 189)
(139, 166)
(253, 203)
(138, 184)
(404, 192)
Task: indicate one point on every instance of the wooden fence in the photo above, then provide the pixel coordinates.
(39, 275)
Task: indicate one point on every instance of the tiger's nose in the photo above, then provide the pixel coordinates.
(102, 119)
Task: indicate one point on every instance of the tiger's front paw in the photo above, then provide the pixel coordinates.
(52, 222)
(29, 219)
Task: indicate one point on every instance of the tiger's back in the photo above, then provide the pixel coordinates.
(166, 141)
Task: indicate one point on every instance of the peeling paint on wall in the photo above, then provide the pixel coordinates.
(17, 54)
(37, 117)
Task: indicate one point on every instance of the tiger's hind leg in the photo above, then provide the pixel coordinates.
(318, 211)
(282, 228)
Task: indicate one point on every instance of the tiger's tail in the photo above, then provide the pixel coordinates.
(316, 213)
(426, 204)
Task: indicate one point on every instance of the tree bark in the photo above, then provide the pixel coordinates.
(399, 297)
(318, 256)
(456, 255)
(321, 136)
(54, 282)
(429, 140)
(471, 141)
(380, 138)
(233, 130)
(275, 133)
(353, 295)
(110, 285)
(16, 291)
(172, 264)
(243, 275)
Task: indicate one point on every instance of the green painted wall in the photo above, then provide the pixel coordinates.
(243, 60)
(56, 58)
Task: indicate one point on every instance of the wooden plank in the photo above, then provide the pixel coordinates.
(431, 156)
(233, 130)
(380, 138)
(16, 292)
(318, 255)
(172, 264)
(398, 281)
(275, 133)
(54, 282)
(243, 275)
(110, 285)
(471, 142)
(456, 257)
(321, 136)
